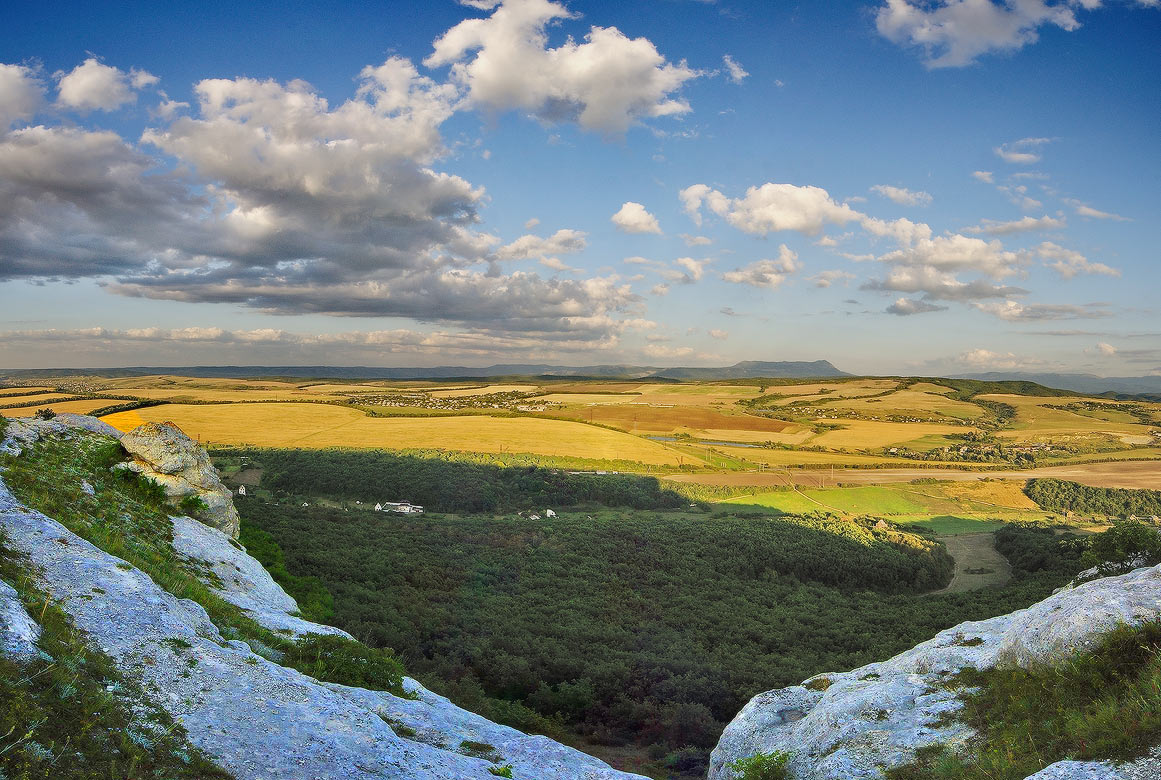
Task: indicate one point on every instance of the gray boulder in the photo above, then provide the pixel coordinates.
(162, 452)
(853, 724)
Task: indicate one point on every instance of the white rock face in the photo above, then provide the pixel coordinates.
(18, 632)
(23, 431)
(1078, 770)
(162, 452)
(258, 720)
(877, 716)
(241, 580)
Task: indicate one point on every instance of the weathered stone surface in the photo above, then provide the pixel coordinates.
(1073, 620)
(1078, 770)
(256, 719)
(23, 431)
(877, 716)
(18, 632)
(241, 580)
(162, 452)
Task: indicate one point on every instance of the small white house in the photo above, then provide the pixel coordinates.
(549, 513)
(399, 507)
(241, 490)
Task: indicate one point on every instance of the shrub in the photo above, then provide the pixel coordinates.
(688, 760)
(762, 766)
(45, 414)
(501, 771)
(1124, 543)
(192, 505)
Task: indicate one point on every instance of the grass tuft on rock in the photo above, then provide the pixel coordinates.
(1101, 705)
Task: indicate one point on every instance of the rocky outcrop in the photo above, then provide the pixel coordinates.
(24, 431)
(18, 631)
(851, 724)
(162, 452)
(241, 580)
(255, 718)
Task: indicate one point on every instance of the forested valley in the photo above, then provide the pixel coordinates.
(615, 625)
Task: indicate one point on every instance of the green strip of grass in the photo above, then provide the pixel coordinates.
(1100, 705)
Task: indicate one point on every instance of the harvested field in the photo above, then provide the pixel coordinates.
(46, 398)
(594, 387)
(637, 418)
(586, 399)
(912, 402)
(322, 425)
(486, 390)
(210, 394)
(875, 434)
(826, 390)
(977, 564)
(1126, 474)
(696, 394)
(901, 500)
(1035, 422)
(76, 407)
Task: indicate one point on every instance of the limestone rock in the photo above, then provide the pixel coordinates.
(162, 452)
(18, 632)
(241, 580)
(1078, 770)
(24, 431)
(256, 719)
(850, 724)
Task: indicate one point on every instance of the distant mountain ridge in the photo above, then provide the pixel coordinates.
(1081, 383)
(748, 369)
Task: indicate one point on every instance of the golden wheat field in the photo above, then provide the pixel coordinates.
(45, 398)
(84, 406)
(324, 425)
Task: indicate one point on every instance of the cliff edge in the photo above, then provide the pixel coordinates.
(239, 706)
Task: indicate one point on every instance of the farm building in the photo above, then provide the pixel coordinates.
(399, 507)
(241, 490)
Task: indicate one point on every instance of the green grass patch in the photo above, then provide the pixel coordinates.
(949, 525)
(1104, 704)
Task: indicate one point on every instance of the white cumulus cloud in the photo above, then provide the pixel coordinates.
(93, 85)
(606, 83)
(770, 208)
(634, 218)
(769, 273)
(21, 94)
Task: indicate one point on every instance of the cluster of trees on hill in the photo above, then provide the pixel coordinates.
(1057, 495)
(625, 627)
(449, 486)
(1036, 547)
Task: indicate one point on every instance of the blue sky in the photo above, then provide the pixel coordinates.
(895, 186)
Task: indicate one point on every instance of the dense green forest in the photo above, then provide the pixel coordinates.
(1056, 495)
(448, 485)
(625, 626)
